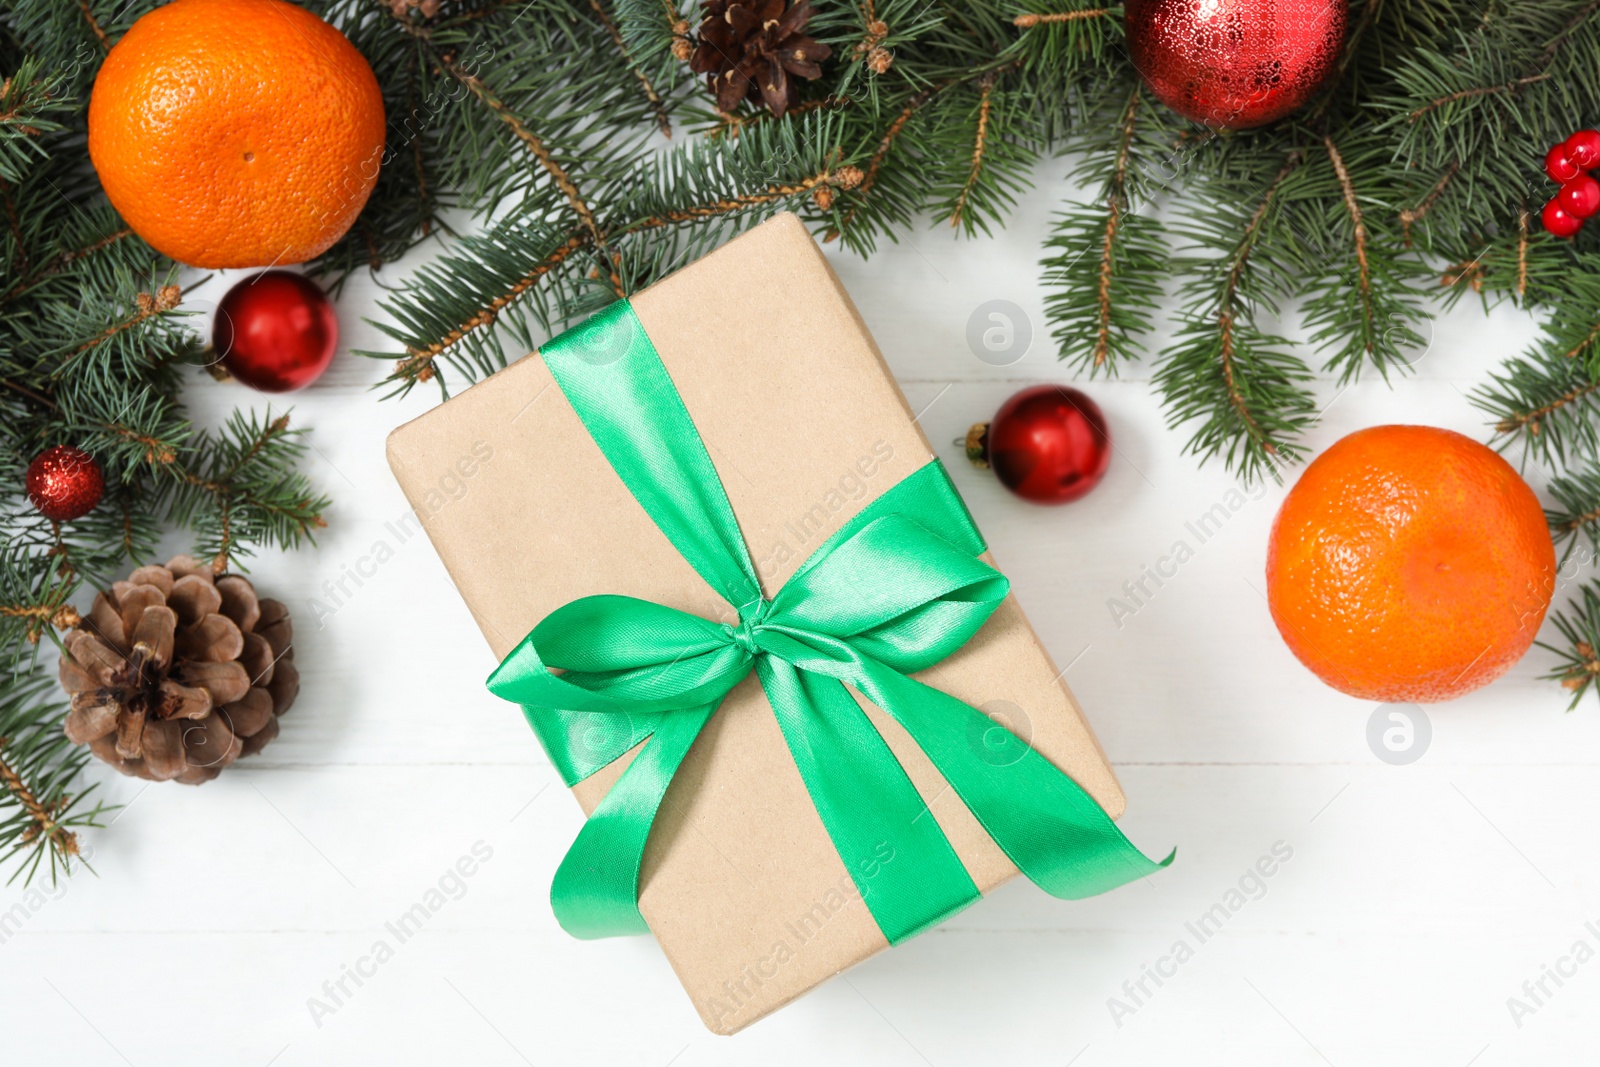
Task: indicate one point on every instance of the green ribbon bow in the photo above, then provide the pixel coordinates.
(896, 590)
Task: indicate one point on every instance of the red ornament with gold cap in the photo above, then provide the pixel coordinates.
(1048, 444)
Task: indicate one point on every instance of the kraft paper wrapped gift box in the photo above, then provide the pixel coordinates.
(740, 883)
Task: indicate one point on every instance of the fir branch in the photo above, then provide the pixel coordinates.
(1028, 20)
(418, 364)
(41, 813)
(1584, 347)
(845, 178)
(534, 145)
(146, 306)
(424, 199)
(1556, 43)
(34, 593)
(1413, 215)
(1362, 307)
(1578, 665)
(885, 143)
(239, 488)
(37, 397)
(732, 125)
(1522, 253)
(1227, 311)
(874, 208)
(663, 122)
(1534, 419)
(1242, 386)
(985, 102)
(1359, 231)
(94, 24)
(83, 249)
(870, 49)
(1548, 405)
(1476, 99)
(64, 259)
(1240, 258)
(1116, 204)
(1547, 398)
(38, 616)
(19, 259)
(1477, 90)
(1063, 48)
(32, 103)
(1577, 514)
(157, 452)
(542, 155)
(1108, 262)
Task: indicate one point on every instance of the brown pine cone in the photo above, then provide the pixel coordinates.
(756, 49)
(178, 671)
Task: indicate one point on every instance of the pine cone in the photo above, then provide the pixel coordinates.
(750, 49)
(179, 671)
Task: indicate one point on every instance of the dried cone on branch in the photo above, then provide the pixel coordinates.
(178, 671)
(756, 49)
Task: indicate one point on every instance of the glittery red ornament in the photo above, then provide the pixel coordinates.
(64, 483)
(1235, 63)
(276, 331)
(1047, 444)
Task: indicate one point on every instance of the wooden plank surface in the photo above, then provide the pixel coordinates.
(1413, 902)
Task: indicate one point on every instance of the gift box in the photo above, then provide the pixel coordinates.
(712, 546)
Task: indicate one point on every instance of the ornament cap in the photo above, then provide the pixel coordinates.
(978, 445)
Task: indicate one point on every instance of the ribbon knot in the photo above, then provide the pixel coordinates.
(897, 589)
(744, 635)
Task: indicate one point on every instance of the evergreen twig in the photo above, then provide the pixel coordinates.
(1578, 664)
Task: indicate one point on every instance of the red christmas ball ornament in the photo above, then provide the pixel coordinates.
(1235, 63)
(1583, 149)
(1558, 166)
(64, 483)
(276, 332)
(1047, 444)
(1559, 221)
(1580, 197)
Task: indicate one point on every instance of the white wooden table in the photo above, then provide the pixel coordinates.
(1415, 900)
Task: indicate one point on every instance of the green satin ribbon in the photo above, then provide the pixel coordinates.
(895, 591)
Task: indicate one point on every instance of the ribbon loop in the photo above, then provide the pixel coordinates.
(898, 589)
(901, 593)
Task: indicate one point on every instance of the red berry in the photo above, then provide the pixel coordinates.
(1580, 197)
(1559, 221)
(1558, 166)
(64, 483)
(1583, 149)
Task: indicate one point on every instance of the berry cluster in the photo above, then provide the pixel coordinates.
(1579, 196)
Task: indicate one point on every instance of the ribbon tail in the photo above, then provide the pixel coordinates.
(596, 888)
(891, 845)
(1051, 829)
